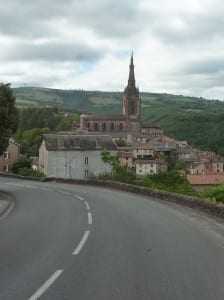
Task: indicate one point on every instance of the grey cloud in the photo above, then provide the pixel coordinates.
(105, 17)
(206, 66)
(52, 52)
(197, 28)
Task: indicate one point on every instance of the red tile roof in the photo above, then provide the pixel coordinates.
(210, 179)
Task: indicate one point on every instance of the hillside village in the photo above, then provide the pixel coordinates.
(140, 147)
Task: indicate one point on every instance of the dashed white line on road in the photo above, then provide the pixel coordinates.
(65, 193)
(79, 197)
(90, 219)
(46, 285)
(87, 205)
(82, 243)
(8, 210)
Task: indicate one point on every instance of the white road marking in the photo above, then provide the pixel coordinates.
(46, 285)
(21, 185)
(87, 205)
(65, 193)
(82, 243)
(8, 210)
(10, 183)
(90, 219)
(79, 197)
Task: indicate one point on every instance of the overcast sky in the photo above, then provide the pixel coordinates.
(86, 44)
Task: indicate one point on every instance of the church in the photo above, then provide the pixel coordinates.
(129, 121)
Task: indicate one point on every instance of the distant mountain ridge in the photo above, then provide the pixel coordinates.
(198, 120)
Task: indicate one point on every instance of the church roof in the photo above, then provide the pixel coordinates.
(72, 142)
(104, 117)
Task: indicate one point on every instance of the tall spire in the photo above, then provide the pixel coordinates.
(131, 79)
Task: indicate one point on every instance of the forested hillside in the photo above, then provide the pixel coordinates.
(197, 120)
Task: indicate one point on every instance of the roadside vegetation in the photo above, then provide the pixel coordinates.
(23, 166)
(215, 194)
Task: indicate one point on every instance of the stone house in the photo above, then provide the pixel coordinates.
(126, 157)
(147, 167)
(74, 156)
(197, 167)
(10, 155)
(187, 154)
(201, 182)
(143, 151)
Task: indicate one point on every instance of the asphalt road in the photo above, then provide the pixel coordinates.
(80, 243)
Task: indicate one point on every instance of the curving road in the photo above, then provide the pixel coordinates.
(87, 243)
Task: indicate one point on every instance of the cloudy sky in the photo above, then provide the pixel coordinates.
(86, 44)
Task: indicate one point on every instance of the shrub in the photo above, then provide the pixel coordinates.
(20, 163)
(214, 194)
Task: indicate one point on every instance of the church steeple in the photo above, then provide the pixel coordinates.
(132, 102)
(131, 78)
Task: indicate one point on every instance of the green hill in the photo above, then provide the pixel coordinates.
(198, 120)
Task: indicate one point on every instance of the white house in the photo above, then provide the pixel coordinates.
(145, 167)
(74, 156)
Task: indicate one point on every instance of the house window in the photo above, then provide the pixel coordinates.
(86, 160)
(5, 168)
(6, 155)
(86, 174)
(121, 127)
(61, 142)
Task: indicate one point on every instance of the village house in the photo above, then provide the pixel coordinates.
(206, 163)
(143, 151)
(10, 155)
(205, 181)
(74, 156)
(125, 155)
(149, 167)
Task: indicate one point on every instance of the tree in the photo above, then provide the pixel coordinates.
(8, 115)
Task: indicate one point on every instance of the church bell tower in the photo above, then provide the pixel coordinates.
(131, 102)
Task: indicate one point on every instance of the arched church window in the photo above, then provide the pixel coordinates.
(104, 127)
(112, 126)
(95, 126)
